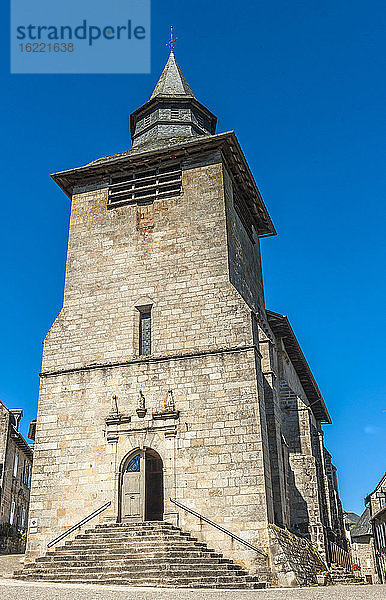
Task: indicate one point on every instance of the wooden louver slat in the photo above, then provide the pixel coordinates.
(145, 185)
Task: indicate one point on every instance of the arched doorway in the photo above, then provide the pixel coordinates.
(141, 489)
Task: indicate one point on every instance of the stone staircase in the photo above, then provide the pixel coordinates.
(139, 554)
(340, 576)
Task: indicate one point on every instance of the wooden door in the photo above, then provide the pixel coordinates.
(132, 489)
(154, 487)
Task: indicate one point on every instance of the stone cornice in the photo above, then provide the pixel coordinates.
(152, 359)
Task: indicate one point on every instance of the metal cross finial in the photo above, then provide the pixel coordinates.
(172, 42)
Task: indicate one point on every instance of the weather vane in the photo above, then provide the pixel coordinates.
(172, 42)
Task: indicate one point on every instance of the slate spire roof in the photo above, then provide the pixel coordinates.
(172, 113)
(172, 82)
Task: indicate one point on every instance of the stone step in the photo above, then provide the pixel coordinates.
(145, 547)
(139, 575)
(135, 525)
(137, 530)
(69, 556)
(346, 579)
(133, 540)
(141, 545)
(135, 563)
(156, 540)
(139, 555)
(122, 554)
(129, 573)
(190, 581)
(134, 530)
(133, 551)
(136, 539)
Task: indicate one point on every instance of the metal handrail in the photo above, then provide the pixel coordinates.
(82, 522)
(339, 556)
(232, 535)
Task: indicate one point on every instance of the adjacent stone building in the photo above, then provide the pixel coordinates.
(164, 377)
(15, 470)
(362, 547)
(376, 506)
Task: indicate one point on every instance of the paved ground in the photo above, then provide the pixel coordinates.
(9, 563)
(16, 590)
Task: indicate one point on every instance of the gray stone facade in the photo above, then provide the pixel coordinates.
(225, 398)
(15, 472)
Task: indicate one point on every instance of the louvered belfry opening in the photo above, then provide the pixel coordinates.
(145, 185)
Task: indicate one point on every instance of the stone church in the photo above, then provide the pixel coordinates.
(168, 392)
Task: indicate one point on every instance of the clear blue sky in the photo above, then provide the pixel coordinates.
(301, 83)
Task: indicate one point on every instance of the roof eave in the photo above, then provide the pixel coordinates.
(239, 158)
(226, 142)
(21, 442)
(282, 328)
(68, 178)
(380, 482)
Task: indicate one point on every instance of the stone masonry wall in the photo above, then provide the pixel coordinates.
(172, 255)
(212, 461)
(245, 274)
(13, 487)
(294, 560)
(303, 481)
(274, 427)
(363, 555)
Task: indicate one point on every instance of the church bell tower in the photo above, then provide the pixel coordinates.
(151, 384)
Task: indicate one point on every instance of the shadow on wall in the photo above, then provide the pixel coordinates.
(299, 515)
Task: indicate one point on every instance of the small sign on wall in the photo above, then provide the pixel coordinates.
(33, 526)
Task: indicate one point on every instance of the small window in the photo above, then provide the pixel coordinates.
(175, 113)
(12, 513)
(22, 523)
(145, 333)
(134, 465)
(29, 476)
(146, 121)
(15, 464)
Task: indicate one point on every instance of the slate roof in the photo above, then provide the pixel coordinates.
(168, 143)
(172, 82)
(171, 87)
(363, 526)
(351, 518)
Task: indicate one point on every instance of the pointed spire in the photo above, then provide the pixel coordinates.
(172, 82)
(172, 113)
